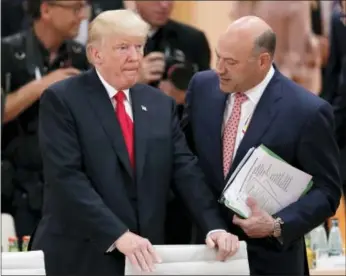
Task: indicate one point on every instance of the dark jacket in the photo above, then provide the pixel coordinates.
(294, 124)
(22, 55)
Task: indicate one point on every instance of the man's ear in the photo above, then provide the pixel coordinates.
(94, 54)
(264, 60)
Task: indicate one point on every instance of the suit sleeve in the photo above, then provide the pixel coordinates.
(63, 169)
(190, 185)
(318, 155)
(186, 118)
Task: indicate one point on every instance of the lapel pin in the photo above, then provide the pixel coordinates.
(144, 108)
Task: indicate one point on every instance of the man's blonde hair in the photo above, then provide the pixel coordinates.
(113, 22)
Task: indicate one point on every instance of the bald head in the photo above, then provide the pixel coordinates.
(253, 30)
(245, 54)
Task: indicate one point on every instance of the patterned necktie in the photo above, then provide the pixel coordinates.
(126, 124)
(231, 131)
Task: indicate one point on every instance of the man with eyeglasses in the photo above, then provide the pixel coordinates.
(31, 61)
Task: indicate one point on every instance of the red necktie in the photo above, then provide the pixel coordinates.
(126, 124)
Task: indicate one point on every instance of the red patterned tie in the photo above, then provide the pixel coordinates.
(230, 132)
(126, 124)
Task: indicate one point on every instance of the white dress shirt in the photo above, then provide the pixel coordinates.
(247, 108)
(112, 92)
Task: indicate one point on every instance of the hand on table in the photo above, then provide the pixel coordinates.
(227, 244)
(139, 251)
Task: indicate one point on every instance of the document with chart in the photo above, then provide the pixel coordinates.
(266, 177)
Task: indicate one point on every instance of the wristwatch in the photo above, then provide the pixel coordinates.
(277, 227)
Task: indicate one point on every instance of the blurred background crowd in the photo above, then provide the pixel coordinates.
(40, 47)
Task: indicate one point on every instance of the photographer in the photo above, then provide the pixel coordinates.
(31, 61)
(174, 51)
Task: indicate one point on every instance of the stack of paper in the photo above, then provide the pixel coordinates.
(267, 178)
(194, 260)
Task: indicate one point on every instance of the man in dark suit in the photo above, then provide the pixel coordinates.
(108, 172)
(334, 88)
(245, 103)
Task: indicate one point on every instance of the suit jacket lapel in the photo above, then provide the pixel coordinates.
(102, 106)
(264, 114)
(141, 126)
(214, 128)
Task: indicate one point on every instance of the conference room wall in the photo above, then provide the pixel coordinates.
(212, 17)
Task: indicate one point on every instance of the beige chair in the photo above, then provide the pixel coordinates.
(23, 263)
(195, 260)
(7, 230)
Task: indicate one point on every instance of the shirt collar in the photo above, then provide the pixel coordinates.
(254, 94)
(111, 90)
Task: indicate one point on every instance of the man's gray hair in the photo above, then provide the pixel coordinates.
(266, 42)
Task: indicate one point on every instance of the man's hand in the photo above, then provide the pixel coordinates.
(169, 89)
(259, 225)
(226, 243)
(57, 75)
(139, 251)
(152, 67)
(21, 99)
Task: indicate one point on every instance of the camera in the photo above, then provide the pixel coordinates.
(178, 70)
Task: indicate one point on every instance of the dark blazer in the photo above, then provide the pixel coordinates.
(334, 85)
(92, 196)
(297, 126)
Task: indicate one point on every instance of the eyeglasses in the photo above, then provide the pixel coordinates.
(76, 9)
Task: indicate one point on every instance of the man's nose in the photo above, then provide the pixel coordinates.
(134, 53)
(219, 68)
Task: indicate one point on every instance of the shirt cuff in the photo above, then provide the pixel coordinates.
(216, 230)
(111, 248)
